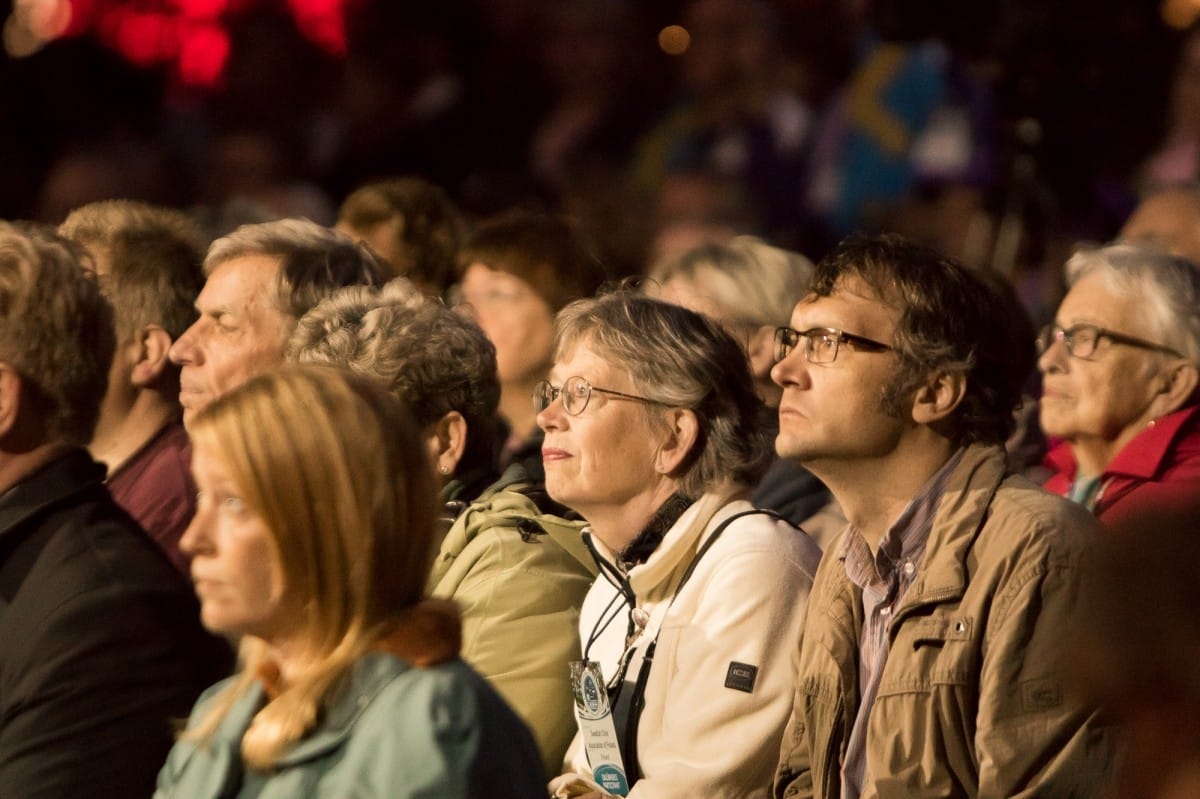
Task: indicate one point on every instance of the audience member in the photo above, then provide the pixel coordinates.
(100, 644)
(518, 270)
(311, 542)
(1120, 373)
(751, 287)
(148, 263)
(592, 59)
(260, 280)
(1168, 218)
(736, 116)
(1177, 157)
(928, 665)
(908, 142)
(517, 570)
(659, 462)
(411, 224)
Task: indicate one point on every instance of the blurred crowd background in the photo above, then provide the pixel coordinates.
(1001, 131)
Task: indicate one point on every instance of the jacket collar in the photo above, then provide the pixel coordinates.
(369, 676)
(959, 517)
(63, 478)
(1143, 457)
(658, 575)
(508, 503)
(428, 634)
(1146, 453)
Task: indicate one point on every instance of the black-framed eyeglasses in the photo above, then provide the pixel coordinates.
(575, 393)
(1081, 340)
(821, 343)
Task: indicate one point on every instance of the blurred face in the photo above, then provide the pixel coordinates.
(754, 337)
(240, 333)
(1169, 220)
(517, 320)
(605, 456)
(1106, 398)
(831, 414)
(235, 567)
(381, 238)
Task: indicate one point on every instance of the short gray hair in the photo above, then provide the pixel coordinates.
(1169, 284)
(751, 282)
(684, 359)
(434, 359)
(314, 261)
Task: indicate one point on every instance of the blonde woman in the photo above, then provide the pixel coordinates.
(311, 543)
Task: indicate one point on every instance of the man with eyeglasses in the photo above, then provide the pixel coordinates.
(928, 665)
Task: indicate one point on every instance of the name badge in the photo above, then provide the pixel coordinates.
(595, 720)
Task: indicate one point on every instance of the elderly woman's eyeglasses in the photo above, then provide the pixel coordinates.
(575, 393)
(821, 343)
(1081, 340)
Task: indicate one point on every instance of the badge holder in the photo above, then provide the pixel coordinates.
(594, 716)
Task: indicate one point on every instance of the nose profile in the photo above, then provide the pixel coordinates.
(183, 351)
(787, 371)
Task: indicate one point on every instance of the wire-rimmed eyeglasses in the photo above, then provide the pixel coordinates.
(821, 343)
(575, 393)
(1081, 340)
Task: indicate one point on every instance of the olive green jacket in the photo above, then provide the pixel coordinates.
(519, 576)
(970, 703)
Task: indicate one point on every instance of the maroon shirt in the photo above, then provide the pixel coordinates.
(155, 486)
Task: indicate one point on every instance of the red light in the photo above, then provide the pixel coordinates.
(203, 55)
(322, 21)
(201, 9)
(146, 39)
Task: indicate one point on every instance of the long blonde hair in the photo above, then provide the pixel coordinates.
(336, 468)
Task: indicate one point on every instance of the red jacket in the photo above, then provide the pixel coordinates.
(1159, 468)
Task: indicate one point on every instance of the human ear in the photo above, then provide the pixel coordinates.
(153, 345)
(683, 431)
(1178, 385)
(937, 398)
(450, 435)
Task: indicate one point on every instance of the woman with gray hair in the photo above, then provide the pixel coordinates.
(1120, 367)
(652, 434)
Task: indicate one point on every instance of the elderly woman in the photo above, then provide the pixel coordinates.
(1120, 370)
(652, 434)
(518, 570)
(311, 543)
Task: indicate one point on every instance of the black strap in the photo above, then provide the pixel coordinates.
(637, 702)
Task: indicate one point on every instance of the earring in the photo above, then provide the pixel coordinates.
(444, 469)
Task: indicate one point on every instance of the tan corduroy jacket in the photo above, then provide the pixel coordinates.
(970, 702)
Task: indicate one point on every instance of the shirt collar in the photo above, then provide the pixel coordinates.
(904, 540)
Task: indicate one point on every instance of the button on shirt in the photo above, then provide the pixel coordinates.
(884, 577)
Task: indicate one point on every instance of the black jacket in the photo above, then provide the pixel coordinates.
(101, 647)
